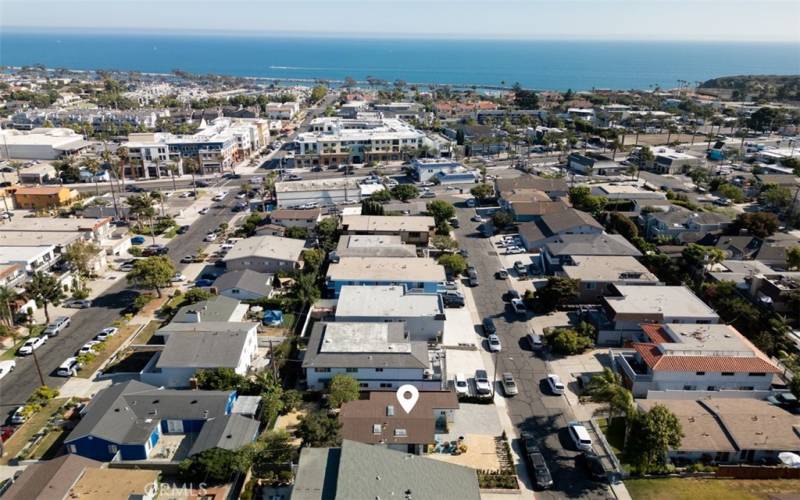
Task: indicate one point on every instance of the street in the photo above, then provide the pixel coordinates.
(533, 409)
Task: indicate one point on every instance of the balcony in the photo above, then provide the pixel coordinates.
(633, 369)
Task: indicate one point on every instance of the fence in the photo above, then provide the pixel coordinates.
(756, 472)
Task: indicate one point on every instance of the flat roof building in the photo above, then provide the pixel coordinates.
(421, 273)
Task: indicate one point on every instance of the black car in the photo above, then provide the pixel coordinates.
(592, 464)
(202, 184)
(183, 229)
(453, 299)
(132, 188)
(536, 463)
(488, 326)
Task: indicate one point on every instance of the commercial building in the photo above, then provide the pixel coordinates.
(423, 313)
(323, 192)
(354, 245)
(40, 144)
(598, 274)
(421, 274)
(594, 164)
(378, 355)
(411, 229)
(443, 171)
(265, 254)
(43, 197)
(695, 361)
(340, 141)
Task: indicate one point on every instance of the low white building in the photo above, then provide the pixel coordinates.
(324, 192)
(282, 110)
(381, 356)
(30, 258)
(40, 144)
(423, 313)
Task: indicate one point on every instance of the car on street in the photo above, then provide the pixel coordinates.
(482, 384)
(476, 218)
(126, 266)
(454, 223)
(241, 196)
(155, 249)
(463, 252)
(219, 196)
(513, 294)
(105, 333)
(514, 250)
(294, 177)
(56, 326)
(178, 277)
(461, 385)
(132, 188)
(509, 384)
(451, 298)
(31, 345)
(471, 203)
(494, 343)
(501, 274)
(187, 194)
(472, 276)
(210, 237)
(68, 368)
(580, 436)
(202, 184)
(78, 304)
(203, 211)
(488, 326)
(722, 202)
(518, 306)
(7, 367)
(18, 417)
(592, 464)
(87, 348)
(183, 229)
(137, 240)
(534, 341)
(428, 194)
(536, 463)
(555, 384)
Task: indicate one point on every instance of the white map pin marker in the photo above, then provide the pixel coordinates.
(407, 396)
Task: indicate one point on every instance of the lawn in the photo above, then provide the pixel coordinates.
(147, 332)
(615, 434)
(710, 489)
(50, 446)
(26, 431)
(111, 345)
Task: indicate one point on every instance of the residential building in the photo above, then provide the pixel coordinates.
(43, 197)
(265, 254)
(669, 161)
(560, 250)
(627, 192)
(741, 272)
(206, 327)
(95, 230)
(730, 430)
(357, 470)
(354, 245)
(411, 229)
(378, 355)
(11, 275)
(126, 422)
(422, 274)
(598, 274)
(530, 211)
(40, 144)
(339, 141)
(555, 187)
(215, 309)
(42, 173)
(185, 353)
(738, 247)
(51, 479)
(244, 285)
(565, 222)
(31, 259)
(694, 361)
(282, 110)
(423, 313)
(442, 171)
(594, 164)
(381, 420)
(683, 225)
(775, 290)
(287, 217)
(631, 306)
(323, 192)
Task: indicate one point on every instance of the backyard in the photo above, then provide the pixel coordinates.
(711, 489)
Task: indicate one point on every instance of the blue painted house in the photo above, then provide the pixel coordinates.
(127, 421)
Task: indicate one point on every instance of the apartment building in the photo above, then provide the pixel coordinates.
(422, 274)
(337, 141)
(411, 229)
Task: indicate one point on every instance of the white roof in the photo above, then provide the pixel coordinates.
(361, 337)
(23, 254)
(386, 269)
(386, 301)
(669, 301)
(319, 185)
(387, 223)
(705, 340)
(608, 268)
(267, 247)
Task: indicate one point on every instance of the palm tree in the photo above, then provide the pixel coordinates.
(615, 146)
(7, 296)
(142, 206)
(44, 289)
(607, 388)
(93, 166)
(173, 168)
(192, 166)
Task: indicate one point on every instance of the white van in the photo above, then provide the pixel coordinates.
(580, 436)
(68, 368)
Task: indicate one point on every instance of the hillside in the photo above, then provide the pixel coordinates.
(741, 87)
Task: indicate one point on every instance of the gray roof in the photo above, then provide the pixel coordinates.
(219, 308)
(677, 215)
(532, 182)
(252, 281)
(372, 245)
(229, 432)
(127, 413)
(207, 327)
(363, 471)
(564, 220)
(203, 350)
(590, 244)
(50, 478)
(364, 345)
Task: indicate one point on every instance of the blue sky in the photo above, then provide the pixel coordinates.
(753, 20)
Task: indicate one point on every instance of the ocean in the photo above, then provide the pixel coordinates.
(540, 64)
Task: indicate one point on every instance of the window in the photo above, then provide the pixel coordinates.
(376, 428)
(378, 370)
(363, 385)
(400, 433)
(728, 374)
(72, 448)
(700, 374)
(322, 370)
(386, 385)
(590, 285)
(756, 374)
(235, 290)
(352, 370)
(746, 388)
(688, 387)
(711, 388)
(112, 448)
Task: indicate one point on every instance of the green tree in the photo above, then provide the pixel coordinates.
(482, 191)
(318, 93)
(45, 290)
(381, 196)
(152, 272)
(702, 257)
(274, 453)
(650, 436)
(195, 295)
(502, 218)
(7, 297)
(793, 163)
(759, 224)
(731, 192)
(219, 379)
(793, 259)
(214, 466)
(318, 429)
(405, 192)
(525, 99)
(297, 233)
(607, 388)
(443, 242)
(313, 258)
(779, 197)
(371, 207)
(306, 289)
(566, 341)
(80, 255)
(582, 199)
(558, 291)
(141, 205)
(623, 225)
(327, 231)
(343, 388)
(441, 211)
(454, 264)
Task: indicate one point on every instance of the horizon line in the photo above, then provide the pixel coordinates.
(178, 32)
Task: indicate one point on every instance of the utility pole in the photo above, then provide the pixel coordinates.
(38, 368)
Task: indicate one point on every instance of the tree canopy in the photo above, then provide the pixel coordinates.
(482, 191)
(651, 435)
(45, 290)
(558, 291)
(154, 272)
(405, 192)
(342, 388)
(454, 264)
(318, 429)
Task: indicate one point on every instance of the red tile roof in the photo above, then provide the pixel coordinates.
(655, 359)
(655, 333)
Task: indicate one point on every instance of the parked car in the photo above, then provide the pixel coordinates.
(452, 298)
(137, 240)
(428, 194)
(18, 417)
(488, 326)
(592, 464)
(210, 237)
(183, 229)
(501, 274)
(520, 268)
(534, 341)
(494, 343)
(68, 368)
(31, 345)
(126, 266)
(454, 223)
(78, 304)
(105, 333)
(555, 384)
(461, 385)
(482, 384)
(471, 203)
(518, 306)
(88, 347)
(178, 277)
(203, 211)
(472, 275)
(514, 250)
(580, 436)
(476, 218)
(513, 294)
(509, 384)
(7, 367)
(536, 462)
(448, 285)
(57, 326)
(202, 184)
(132, 188)
(220, 196)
